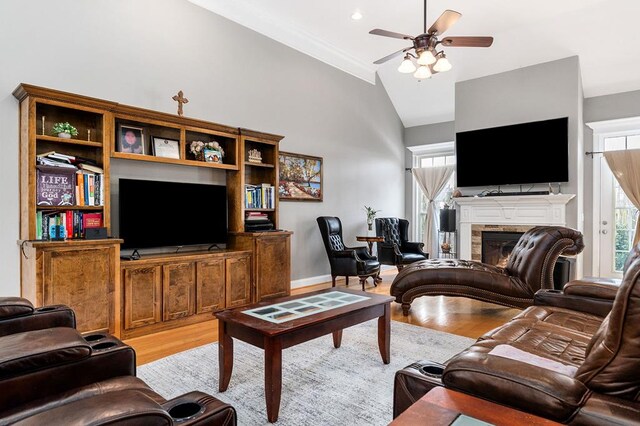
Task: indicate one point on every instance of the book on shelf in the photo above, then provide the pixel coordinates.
(90, 168)
(259, 196)
(55, 186)
(92, 220)
(65, 224)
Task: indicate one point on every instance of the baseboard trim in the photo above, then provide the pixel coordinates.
(306, 282)
(319, 279)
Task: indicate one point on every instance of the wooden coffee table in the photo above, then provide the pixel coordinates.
(288, 321)
(441, 406)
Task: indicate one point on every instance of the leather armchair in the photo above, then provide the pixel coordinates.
(396, 249)
(570, 366)
(529, 269)
(346, 261)
(18, 315)
(59, 376)
(52, 374)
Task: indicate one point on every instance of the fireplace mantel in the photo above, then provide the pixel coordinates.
(527, 210)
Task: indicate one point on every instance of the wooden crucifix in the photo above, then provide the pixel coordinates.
(181, 100)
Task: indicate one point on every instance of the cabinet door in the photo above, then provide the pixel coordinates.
(178, 289)
(142, 296)
(210, 282)
(83, 279)
(238, 288)
(273, 267)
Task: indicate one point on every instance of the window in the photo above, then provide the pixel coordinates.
(430, 156)
(625, 213)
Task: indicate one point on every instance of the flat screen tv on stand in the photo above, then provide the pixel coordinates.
(157, 214)
(519, 154)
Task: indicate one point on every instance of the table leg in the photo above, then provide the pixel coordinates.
(225, 356)
(370, 243)
(272, 376)
(384, 334)
(337, 338)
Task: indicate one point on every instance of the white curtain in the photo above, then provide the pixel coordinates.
(625, 166)
(432, 181)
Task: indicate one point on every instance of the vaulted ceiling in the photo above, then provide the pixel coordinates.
(603, 33)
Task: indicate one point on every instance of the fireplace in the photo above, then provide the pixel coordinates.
(497, 246)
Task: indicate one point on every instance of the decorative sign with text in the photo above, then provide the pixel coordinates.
(55, 186)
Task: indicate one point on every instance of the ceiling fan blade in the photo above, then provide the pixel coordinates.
(386, 33)
(393, 55)
(444, 22)
(467, 41)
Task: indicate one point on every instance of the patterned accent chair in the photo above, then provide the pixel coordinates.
(530, 268)
(396, 249)
(346, 261)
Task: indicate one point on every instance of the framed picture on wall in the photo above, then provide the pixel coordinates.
(131, 139)
(300, 177)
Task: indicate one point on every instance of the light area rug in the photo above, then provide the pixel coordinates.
(321, 385)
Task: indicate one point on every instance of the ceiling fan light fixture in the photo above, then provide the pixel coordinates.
(422, 73)
(426, 58)
(407, 66)
(442, 64)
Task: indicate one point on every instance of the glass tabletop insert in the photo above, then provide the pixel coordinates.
(294, 309)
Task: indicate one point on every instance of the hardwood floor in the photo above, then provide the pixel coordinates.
(456, 315)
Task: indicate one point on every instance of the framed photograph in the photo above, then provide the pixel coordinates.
(168, 148)
(130, 139)
(212, 155)
(300, 177)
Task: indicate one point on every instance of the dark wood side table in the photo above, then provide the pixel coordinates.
(279, 324)
(441, 406)
(370, 241)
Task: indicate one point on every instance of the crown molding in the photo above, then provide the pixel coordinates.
(290, 35)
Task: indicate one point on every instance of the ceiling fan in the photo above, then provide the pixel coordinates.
(429, 59)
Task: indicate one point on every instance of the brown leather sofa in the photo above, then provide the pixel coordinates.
(573, 357)
(55, 375)
(530, 268)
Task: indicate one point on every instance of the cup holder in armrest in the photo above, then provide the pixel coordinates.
(103, 346)
(94, 337)
(432, 370)
(553, 291)
(186, 411)
(46, 309)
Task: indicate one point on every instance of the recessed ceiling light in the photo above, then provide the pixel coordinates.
(356, 16)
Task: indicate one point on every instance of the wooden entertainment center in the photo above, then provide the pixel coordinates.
(131, 298)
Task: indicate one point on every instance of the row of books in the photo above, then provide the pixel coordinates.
(260, 196)
(66, 180)
(58, 159)
(65, 224)
(89, 189)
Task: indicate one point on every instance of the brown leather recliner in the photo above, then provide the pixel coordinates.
(561, 360)
(530, 268)
(58, 376)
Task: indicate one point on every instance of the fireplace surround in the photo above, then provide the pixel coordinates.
(506, 214)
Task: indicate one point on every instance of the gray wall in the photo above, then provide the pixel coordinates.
(539, 92)
(142, 52)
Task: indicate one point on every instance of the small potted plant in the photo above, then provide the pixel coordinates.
(371, 214)
(64, 130)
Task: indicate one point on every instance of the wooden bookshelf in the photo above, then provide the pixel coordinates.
(66, 271)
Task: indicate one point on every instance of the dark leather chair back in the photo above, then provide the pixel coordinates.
(393, 229)
(612, 363)
(534, 256)
(331, 231)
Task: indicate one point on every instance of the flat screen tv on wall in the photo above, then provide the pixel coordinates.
(160, 214)
(526, 153)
